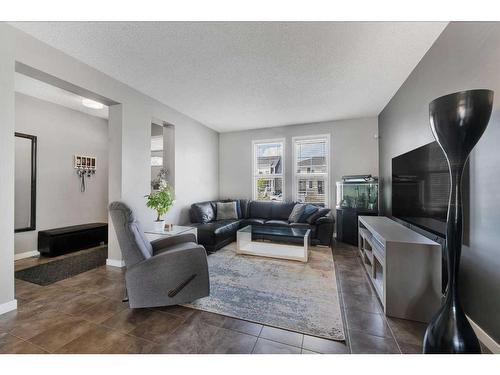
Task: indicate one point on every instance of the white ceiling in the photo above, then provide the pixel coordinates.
(41, 90)
(242, 75)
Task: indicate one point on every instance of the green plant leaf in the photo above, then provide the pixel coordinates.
(161, 201)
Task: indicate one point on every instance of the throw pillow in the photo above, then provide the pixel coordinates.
(227, 211)
(238, 206)
(202, 212)
(315, 216)
(243, 208)
(309, 209)
(238, 209)
(297, 211)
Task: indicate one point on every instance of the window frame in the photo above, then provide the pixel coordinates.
(326, 176)
(255, 143)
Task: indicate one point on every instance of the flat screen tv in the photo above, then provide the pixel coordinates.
(421, 189)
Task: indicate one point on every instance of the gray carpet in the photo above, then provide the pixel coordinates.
(51, 270)
(300, 297)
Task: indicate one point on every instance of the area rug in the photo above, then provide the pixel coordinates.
(300, 297)
(50, 270)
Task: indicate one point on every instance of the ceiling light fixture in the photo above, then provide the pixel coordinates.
(92, 104)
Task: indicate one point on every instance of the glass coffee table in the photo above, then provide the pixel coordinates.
(153, 234)
(274, 242)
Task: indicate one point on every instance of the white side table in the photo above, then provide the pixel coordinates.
(176, 230)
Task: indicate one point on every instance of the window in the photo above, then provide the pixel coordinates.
(157, 149)
(156, 161)
(268, 165)
(311, 161)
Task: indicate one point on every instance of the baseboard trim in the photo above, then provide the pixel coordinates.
(8, 306)
(115, 263)
(27, 254)
(486, 339)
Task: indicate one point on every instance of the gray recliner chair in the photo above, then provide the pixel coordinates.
(168, 271)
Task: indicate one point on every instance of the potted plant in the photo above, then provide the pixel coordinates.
(161, 201)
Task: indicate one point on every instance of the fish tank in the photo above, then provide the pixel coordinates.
(358, 193)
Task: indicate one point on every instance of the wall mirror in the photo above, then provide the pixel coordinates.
(25, 183)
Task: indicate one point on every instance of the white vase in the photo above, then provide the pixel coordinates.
(159, 226)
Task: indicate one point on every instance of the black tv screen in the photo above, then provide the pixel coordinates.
(421, 188)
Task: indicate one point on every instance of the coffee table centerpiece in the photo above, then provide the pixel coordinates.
(274, 242)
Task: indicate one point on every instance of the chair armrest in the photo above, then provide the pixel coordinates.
(163, 243)
(166, 259)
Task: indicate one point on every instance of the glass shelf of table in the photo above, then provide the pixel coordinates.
(274, 242)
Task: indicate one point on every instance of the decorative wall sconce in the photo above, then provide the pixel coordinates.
(85, 166)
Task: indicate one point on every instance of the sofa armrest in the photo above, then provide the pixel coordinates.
(324, 229)
(325, 219)
(163, 243)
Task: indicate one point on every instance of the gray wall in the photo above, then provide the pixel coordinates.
(131, 114)
(62, 132)
(465, 56)
(6, 170)
(353, 150)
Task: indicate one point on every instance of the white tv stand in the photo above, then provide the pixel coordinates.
(404, 267)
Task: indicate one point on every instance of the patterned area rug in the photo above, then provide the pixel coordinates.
(300, 297)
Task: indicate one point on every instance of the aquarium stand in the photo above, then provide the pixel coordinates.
(347, 223)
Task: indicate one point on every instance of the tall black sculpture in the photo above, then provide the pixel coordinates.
(457, 121)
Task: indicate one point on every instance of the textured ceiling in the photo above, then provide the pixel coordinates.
(243, 75)
(41, 90)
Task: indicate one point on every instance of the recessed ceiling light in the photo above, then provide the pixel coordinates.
(92, 104)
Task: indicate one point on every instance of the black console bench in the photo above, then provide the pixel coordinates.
(58, 241)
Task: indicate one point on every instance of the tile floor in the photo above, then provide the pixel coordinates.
(368, 329)
(84, 314)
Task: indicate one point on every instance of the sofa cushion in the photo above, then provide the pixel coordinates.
(281, 210)
(296, 213)
(251, 221)
(309, 209)
(277, 223)
(203, 212)
(315, 216)
(260, 210)
(227, 211)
